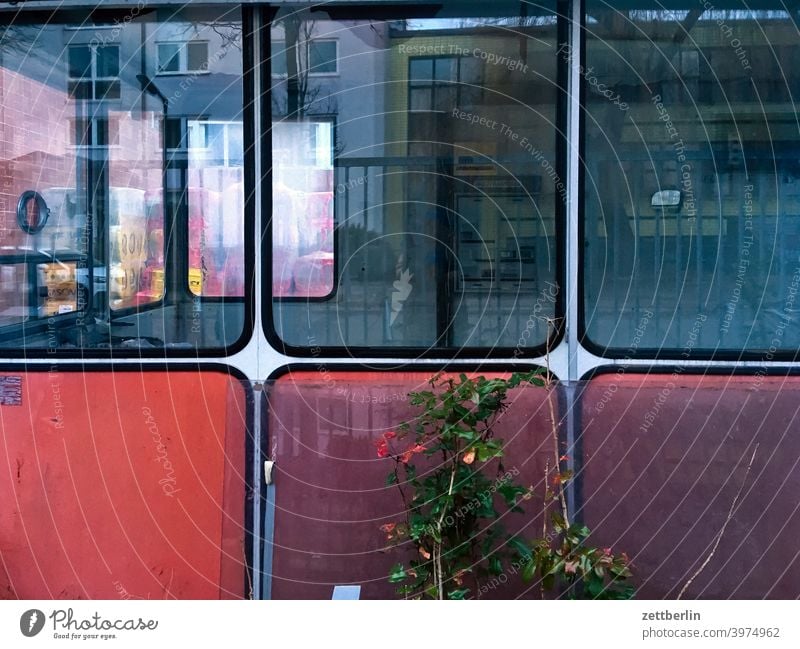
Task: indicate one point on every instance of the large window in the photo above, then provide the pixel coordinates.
(692, 201)
(180, 58)
(101, 191)
(318, 57)
(444, 82)
(434, 227)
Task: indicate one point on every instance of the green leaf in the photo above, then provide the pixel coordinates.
(594, 587)
(529, 571)
(520, 546)
(461, 593)
(510, 493)
(495, 565)
(391, 479)
(488, 450)
(397, 574)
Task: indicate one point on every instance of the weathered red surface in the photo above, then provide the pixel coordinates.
(123, 484)
(330, 484)
(664, 458)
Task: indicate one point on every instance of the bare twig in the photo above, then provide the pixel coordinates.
(441, 519)
(247, 572)
(544, 513)
(722, 530)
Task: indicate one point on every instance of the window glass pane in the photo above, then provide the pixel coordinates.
(446, 98)
(80, 89)
(82, 135)
(471, 71)
(84, 261)
(692, 182)
(420, 99)
(173, 134)
(216, 202)
(197, 56)
(421, 69)
(446, 69)
(322, 57)
(169, 57)
(278, 58)
(302, 264)
(444, 218)
(235, 145)
(107, 61)
(80, 61)
(106, 89)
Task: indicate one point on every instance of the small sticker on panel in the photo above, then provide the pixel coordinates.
(10, 390)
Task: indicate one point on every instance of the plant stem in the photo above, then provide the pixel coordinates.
(439, 526)
(544, 514)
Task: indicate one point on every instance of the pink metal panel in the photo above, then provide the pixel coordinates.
(330, 484)
(665, 456)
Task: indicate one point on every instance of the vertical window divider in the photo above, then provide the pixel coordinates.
(573, 170)
(573, 150)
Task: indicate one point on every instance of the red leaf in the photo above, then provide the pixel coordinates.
(383, 448)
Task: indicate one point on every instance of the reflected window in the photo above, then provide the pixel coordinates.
(317, 57)
(322, 57)
(94, 71)
(177, 58)
(444, 82)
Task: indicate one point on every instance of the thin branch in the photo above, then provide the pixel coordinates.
(441, 519)
(544, 514)
(722, 530)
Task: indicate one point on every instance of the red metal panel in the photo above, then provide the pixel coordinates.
(664, 458)
(331, 494)
(123, 484)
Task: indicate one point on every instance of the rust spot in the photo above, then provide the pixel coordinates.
(19, 470)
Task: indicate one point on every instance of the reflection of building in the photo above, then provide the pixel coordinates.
(339, 68)
(464, 209)
(709, 115)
